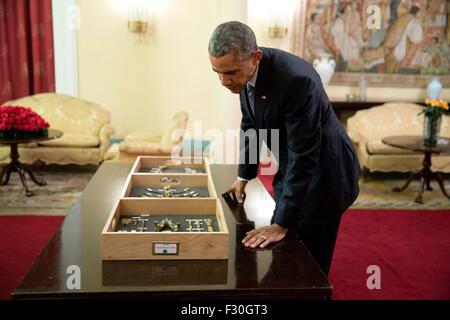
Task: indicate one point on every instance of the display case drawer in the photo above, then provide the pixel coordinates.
(159, 229)
(169, 165)
(169, 186)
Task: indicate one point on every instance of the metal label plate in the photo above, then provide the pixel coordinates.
(166, 248)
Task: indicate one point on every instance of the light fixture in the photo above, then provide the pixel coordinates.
(138, 16)
(278, 32)
(279, 17)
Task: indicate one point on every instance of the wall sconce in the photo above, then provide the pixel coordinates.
(279, 17)
(277, 32)
(138, 16)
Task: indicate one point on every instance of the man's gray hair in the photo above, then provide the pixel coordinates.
(232, 37)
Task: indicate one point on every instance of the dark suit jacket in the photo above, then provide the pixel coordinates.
(316, 157)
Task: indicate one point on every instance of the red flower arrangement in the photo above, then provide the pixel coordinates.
(21, 122)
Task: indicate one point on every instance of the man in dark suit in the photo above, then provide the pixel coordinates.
(318, 172)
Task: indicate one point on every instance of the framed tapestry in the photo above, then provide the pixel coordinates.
(393, 42)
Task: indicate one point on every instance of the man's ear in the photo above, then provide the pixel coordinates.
(257, 56)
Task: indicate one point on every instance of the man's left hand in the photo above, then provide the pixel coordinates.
(264, 236)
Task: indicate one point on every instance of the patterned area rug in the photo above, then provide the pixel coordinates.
(376, 193)
(64, 185)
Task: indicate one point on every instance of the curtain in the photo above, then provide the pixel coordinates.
(26, 48)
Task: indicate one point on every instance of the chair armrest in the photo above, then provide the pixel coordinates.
(355, 129)
(104, 135)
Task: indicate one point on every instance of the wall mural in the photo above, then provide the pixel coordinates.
(411, 45)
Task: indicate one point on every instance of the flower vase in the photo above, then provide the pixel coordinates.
(431, 128)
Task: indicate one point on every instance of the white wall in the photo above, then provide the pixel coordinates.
(143, 81)
(226, 105)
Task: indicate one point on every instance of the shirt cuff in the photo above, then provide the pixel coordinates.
(242, 179)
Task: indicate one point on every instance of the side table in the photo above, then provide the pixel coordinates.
(16, 166)
(415, 143)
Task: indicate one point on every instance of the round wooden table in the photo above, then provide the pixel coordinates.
(16, 166)
(415, 143)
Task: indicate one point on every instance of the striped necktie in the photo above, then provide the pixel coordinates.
(251, 98)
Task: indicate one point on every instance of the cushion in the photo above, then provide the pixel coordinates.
(73, 141)
(147, 148)
(143, 136)
(29, 145)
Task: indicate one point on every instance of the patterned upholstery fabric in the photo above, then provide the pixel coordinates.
(170, 142)
(367, 127)
(86, 127)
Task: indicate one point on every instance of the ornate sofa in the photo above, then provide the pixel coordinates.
(367, 127)
(86, 127)
(146, 143)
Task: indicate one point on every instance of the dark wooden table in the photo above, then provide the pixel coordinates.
(284, 271)
(341, 106)
(16, 166)
(415, 143)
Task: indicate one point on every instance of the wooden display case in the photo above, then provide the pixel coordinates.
(169, 165)
(152, 245)
(166, 216)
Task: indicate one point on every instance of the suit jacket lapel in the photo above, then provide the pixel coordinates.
(262, 91)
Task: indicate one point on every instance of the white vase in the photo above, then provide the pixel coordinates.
(434, 88)
(325, 65)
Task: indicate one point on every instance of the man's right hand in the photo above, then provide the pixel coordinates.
(236, 191)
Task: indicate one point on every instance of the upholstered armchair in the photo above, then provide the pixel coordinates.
(367, 127)
(86, 127)
(145, 143)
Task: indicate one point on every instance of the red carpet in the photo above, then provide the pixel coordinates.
(412, 249)
(22, 239)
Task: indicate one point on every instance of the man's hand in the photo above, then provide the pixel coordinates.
(263, 236)
(236, 191)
